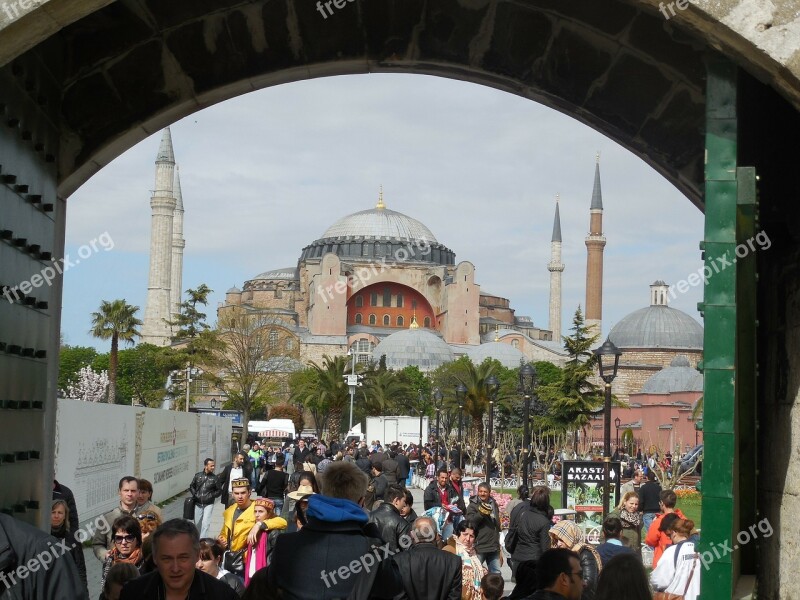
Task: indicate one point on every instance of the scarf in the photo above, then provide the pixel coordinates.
(255, 557)
(472, 571)
(630, 520)
(134, 557)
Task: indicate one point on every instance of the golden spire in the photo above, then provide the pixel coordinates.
(414, 324)
(380, 203)
(497, 333)
(597, 157)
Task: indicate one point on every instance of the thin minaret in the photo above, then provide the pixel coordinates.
(178, 244)
(595, 242)
(155, 329)
(556, 267)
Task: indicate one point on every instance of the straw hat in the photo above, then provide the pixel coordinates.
(301, 492)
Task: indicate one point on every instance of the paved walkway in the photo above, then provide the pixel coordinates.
(175, 510)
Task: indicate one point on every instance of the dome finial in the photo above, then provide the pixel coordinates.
(380, 203)
(414, 324)
(497, 333)
(597, 157)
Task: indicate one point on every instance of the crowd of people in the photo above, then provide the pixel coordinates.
(311, 521)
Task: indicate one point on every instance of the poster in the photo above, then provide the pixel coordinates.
(582, 491)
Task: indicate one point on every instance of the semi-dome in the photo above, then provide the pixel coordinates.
(285, 274)
(658, 326)
(508, 356)
(380, 234)
(413, 347)
(679, 376)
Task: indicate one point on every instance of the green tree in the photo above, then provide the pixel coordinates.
(383, 392)
(72, 359)
(304, 391)
(116, 320)
(323, 390)
(573, 397)
(142, 373)
(287, 411)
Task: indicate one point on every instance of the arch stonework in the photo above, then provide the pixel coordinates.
(81, 81)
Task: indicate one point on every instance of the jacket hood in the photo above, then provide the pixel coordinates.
(335, 510)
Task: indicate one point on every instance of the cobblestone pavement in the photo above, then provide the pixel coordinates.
(175, 510)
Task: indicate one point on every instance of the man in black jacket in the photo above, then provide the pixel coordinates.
(484, 515)
(176, 550)
(240, 468)
(391, 469)
(428, 573)
(337, 540)
(391, 525)
(376, 487)
(204, 489)
(403, 466)
(438, 490)
(300, 455)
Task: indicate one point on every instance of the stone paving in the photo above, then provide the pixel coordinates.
(175, 510)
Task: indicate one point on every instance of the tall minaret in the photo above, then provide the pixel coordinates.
(595, 242)
(556, 267)
(155, 329)
(178, 244)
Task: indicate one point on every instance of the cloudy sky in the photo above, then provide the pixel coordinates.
(266, 173)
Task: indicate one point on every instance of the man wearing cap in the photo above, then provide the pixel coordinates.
(239, 520)
(484, 515)
(239, 469)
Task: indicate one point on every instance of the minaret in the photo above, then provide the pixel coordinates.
(556, 267)
(595, 242)
(178, 244)
(155, 329)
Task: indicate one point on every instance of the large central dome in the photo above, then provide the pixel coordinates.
(378, 234)
(378, 223)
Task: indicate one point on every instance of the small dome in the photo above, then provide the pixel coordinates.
(678, 377)
(234, 290)
(658, 326)
(413, 347)
(286, 274)
(508, 356)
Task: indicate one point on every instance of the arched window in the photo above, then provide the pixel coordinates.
(363, 350)
(399, 300)
(515, 343)
(373, 299)
(400, 321)
(427, 322)
(387, 320)
(273, 339)
(372, 319)
(359, 301)
(358, 318)
(289, 344)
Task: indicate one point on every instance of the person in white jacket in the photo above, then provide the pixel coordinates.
(678, 570)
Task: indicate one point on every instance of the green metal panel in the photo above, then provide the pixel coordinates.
(719, 309)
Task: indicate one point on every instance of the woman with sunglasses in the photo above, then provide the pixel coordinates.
(127, 538)
(148, 522)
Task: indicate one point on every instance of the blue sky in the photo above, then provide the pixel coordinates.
(266, 173)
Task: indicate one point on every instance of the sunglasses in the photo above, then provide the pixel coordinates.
(147, 517)
(124, 538)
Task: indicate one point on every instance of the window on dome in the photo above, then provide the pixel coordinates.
(387, 320)
(400, 321)
(358, 319)
(359, 301)
(363, 351)
(426, 322)
(373, 319)
(387, 297)
(373, 299)
(399, 300)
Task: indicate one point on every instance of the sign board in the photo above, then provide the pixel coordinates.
(352, 380)
(582, 491)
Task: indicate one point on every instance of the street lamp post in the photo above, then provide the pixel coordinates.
(608, 358)
(527, 383)
(419, 397)
(437, 397)
(461, 393)
(352, 383)
(492, 385)
(617, 423)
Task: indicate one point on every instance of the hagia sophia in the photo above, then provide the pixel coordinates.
(380, 283)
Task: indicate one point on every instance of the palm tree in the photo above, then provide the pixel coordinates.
(383, 391)
(116, 320)
(331, 389)
(476, 400)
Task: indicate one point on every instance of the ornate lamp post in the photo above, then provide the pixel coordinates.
(608, 358)
(461, 394)
(527, 384)
(617, 423)
(437, 398)
(419, 398)
(492, 386)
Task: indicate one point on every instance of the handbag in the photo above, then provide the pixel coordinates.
(670, 596)
(188, 508)
(233, 561)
